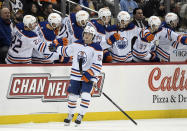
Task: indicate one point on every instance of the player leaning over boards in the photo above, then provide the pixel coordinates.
(86, 65)
(144, 48)
(168, 37)
(24, 42)
(121, 49)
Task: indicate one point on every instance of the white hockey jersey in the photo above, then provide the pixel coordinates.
(121, 50)
(142, 48)
(91, 54)
(23, 44)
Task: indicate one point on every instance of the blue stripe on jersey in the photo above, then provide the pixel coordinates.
(143, 53)
(19, 57)
(40, 46)
(72, 101)
(75, 70)
(85, 100)
(117, 60)
(84, 106)
(143, 60)
(66, 52)
(71, 106)
(162, 53)
(95, 69)
(75, 75)
(97, 64)
(120, 56)
(44, 47)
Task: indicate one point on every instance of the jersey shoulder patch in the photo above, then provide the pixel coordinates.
(112, 28)
(96, 46)
(100, 28)
(130, 26)
(27, 33)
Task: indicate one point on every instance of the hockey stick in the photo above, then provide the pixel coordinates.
(117, 106)
(80, 68)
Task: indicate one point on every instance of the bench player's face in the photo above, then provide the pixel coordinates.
(106, 19)
(82, 23)
(87, 37)
(154, 28)
(123, 24)
(33, 26)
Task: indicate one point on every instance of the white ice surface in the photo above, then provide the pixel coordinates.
(121, 125)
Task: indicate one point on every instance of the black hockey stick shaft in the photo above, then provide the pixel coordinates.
(80, 65)
(119, 108)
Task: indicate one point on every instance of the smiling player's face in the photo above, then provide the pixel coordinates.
(87, 37)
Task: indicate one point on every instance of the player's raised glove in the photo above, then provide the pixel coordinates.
(113, 38)
(87, 75)
(58, 42)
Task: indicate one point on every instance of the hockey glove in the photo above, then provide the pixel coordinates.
(184, 40)
(113, 38)
(107, 58)
(149, 37)
(87, 75)
(53, 46)
(58, 42)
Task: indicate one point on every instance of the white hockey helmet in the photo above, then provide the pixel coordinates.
(91, 30)
(123, 18)
(29, 21)
(55, 20)
(172, 19)
(105, 15)
(154, 22)
(82, 17)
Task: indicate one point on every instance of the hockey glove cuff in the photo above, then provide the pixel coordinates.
(184, 40)
(63, 41)
(87, 75)
(113, 38)
(53, 47)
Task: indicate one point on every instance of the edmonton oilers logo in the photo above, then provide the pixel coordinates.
(82, 54)
(122, 44)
